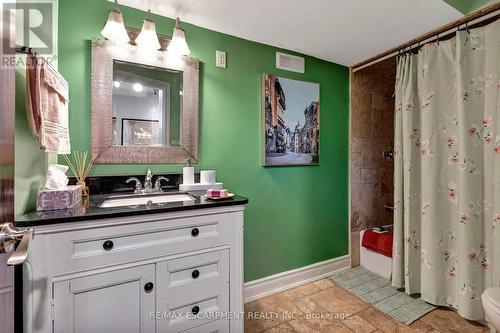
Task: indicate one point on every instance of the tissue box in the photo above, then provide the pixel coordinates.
(59, 199)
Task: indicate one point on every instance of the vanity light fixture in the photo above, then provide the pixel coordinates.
(114, 30)
(178, 44)
(147, 37)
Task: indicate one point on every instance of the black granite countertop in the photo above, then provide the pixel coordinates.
(92, 211)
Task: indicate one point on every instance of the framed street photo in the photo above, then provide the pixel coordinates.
(290, 121)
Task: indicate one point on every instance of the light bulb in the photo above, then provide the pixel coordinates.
(137, 87)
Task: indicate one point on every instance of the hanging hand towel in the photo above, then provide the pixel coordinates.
(47, 105)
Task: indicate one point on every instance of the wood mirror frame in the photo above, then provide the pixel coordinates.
(103, 54)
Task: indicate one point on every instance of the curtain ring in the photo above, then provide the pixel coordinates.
(437, 39)
(467, 27)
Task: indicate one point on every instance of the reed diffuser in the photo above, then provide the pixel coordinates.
(80, 166)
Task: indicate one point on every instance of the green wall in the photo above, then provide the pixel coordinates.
(297, 215)
(468, 6)
(30, 161)
(477, 4)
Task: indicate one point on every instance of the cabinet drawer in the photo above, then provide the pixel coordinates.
(188, 274)
(194, 309)
(100, 247)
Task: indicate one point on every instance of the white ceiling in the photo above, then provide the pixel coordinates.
(342, 31)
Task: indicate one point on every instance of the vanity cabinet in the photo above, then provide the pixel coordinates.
(166, 272)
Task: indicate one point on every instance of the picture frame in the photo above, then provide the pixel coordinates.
(140, 132)
(290, 117)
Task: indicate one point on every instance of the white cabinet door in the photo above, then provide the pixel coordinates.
(118, 301)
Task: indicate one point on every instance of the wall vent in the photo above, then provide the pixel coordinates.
(290, 62)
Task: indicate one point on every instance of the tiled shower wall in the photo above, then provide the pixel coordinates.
(372, 130)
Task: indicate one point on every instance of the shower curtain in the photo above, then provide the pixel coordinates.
(447, 170)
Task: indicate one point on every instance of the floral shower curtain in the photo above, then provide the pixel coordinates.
(447, 170)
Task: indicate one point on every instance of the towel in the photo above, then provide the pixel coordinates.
(47, 105)
(380, 243)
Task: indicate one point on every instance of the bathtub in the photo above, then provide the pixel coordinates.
(373, 261)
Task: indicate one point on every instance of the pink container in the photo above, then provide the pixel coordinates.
(59, 199)
(215, 193)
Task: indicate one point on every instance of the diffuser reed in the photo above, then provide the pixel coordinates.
(80, 166)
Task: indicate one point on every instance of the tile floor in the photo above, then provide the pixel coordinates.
(316, 307)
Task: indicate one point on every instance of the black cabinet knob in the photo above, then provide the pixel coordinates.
(107, 245)
(195, 232)
(148, 287)
(195, 309)
(195, 274)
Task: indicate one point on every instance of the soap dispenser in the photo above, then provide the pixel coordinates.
(188, 174)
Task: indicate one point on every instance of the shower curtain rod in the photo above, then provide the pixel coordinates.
(487, 13)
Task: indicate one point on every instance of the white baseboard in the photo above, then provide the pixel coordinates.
(272, 284)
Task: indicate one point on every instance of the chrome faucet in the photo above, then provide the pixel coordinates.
(148, 185)
(158, 183)
(138, 185)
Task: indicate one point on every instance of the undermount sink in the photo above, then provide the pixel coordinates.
(145, 199)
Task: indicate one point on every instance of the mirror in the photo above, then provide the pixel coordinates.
(147, 106)
(144, 104)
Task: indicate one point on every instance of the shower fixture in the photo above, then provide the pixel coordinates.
(388, 154)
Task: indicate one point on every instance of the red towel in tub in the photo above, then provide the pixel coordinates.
(380, 243)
